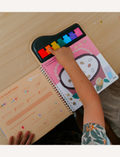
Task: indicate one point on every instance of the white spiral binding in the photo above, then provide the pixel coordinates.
(56, 89)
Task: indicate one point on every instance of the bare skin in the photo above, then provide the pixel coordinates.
(26, 140)
(93, 112)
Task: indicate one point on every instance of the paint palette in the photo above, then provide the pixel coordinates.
(65, 38)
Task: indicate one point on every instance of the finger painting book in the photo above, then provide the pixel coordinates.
(45, 97)
(87, 56)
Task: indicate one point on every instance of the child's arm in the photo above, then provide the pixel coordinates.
(93, 112)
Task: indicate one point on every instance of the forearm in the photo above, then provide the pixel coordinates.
(91, 102)
(92, 106)
(83, 86)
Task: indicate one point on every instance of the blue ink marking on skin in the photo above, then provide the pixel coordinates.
(61, 111)
(39, 114)
(55, 103)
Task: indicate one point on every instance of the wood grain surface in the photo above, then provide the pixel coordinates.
(17, 30)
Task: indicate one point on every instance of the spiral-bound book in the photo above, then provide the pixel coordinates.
(87, 56)
(31, 104)
(45, 97)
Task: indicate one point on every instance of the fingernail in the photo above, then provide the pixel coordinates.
(32, 135)
(27, 132)
(20, 133)
(49, 48)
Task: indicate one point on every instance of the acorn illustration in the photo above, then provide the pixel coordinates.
(99, 81)
(99, 84)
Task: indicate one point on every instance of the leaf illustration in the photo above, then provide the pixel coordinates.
(98, 88)
(98, 132)
(104, 136)
(106, 80)
(86, 134)
(75, 96)
(99, 141)
(84, 141)
(93, 133)
(99, 127)
(88, 140)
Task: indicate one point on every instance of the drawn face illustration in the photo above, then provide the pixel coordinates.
(89, 64)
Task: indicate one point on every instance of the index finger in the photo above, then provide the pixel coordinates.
(51, 50)
(10, 140)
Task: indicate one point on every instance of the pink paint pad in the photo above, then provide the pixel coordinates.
(78, 32)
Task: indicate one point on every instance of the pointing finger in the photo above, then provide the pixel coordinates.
(51, 50)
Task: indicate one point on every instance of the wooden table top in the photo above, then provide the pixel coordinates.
(17, 30)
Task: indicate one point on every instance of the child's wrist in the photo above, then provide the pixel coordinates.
(70, 64)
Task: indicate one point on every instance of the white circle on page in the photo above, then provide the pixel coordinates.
(66, 79)
(30, 79)
(90, 65)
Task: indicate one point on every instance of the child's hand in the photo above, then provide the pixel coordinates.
(63, 55)
(26, 140)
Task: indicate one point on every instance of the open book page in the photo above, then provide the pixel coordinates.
(92, 63)
(32, 105)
